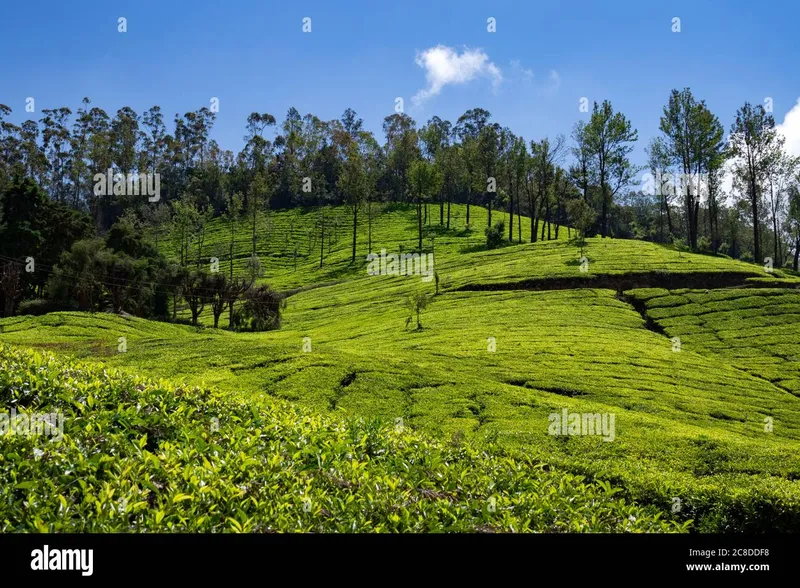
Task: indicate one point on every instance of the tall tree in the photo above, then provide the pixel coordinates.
(658, 161)
(353, 184)
(609, 137)
(755, 145)
(425, 180)
(468, 129)
(694, 140)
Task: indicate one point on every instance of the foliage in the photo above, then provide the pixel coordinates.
(495, 236)
(144, 456)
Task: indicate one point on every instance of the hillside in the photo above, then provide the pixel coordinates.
(150, 457)
(516, 335)
(281, 233)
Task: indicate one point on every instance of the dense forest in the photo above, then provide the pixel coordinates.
(86, 197)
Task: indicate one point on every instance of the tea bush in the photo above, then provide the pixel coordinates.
(139, 455)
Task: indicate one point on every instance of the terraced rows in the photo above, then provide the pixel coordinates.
(280, 232)
(754, 330)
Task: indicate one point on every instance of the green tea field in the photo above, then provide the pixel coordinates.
(703, 384)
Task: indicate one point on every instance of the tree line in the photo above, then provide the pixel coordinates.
(587, 180)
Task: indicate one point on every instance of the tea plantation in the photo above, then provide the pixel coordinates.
(695, 356)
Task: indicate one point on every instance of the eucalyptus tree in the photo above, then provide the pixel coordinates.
(793, 221)
(435, 138)
(755, 145)
(402, 149)
(582, 170)
(353, 184)
(425, 180)
(56, 146)
(468, 129)
(659, 162)
(780, 176)
(545, 156)
(609, 136)
(489, 147)
(693, 136)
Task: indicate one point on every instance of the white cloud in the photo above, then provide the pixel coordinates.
(554, 83)
(444, 65)
(790, 129)
(518, 71)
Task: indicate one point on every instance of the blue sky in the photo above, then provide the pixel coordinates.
(254, 56)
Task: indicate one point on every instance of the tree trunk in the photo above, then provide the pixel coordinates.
(510, 216)
(355, 224)
(369, 225)
(419, 222)
(532, 212)
(796, 252)
(756, 230)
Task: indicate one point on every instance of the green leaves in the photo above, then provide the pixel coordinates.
(277, 469)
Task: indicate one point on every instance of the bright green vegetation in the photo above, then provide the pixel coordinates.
(755, 331)
(139, 455)
(605, 257)
(393, 228)
(690, 425)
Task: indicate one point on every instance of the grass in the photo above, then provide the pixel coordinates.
(689, 425)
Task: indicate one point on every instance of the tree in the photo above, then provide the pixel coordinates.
(608, 138)
(374, 164)
(79, 274)
(353, 184)
(793, 221)
(416, 303)
(544, 158)
(755, 145)
(489, 149)
(468, 129)
(195, 291)
(218, 292)
(257, 201)
(582, 217)
(173, 277)
(780, 175)
(11, 287)
(450, 163)
(582, 170)
(236, 288)
(402, 149)
(233, 211)
(694, 141)
(263, 306)
(658, 160)
(425, 180)
(184, 214)
(495, 235)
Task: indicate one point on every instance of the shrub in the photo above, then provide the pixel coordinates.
(40, 306)
(495, 236)
(143, 456)
(262, 308)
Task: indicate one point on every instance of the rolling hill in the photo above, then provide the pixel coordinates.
(695, 356)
